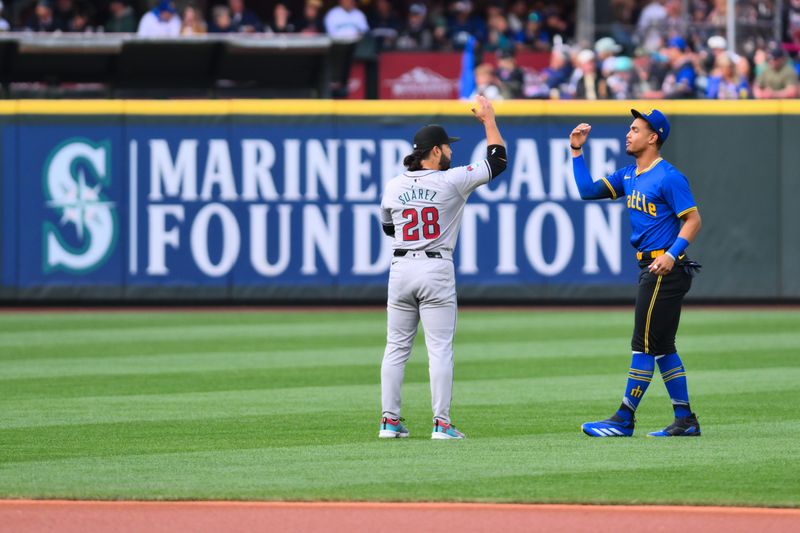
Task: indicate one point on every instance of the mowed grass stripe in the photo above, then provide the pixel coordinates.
(126, 327)
(364, 398)
(695, 347)
(269, 325)
(92, 320)
(114, 342)
(189, 333)
(569, 450)
(721, 413)
(271, 334)
(473, 320)
(225, 375)
(181, 346)
(285, 472)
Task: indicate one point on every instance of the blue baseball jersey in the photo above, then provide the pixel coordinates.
(656, 197)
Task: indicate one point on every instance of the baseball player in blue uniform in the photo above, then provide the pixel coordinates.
(664, 221)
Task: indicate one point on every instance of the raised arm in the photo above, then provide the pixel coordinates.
(495, 147)
(589, 189)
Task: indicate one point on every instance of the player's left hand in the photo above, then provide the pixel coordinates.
(662, 265)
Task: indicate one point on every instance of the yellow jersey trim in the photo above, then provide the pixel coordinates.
(650, 166)
(284, 107)
(650, 313)
(610, 188)
(679, 215)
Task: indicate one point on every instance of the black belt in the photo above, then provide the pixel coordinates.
(432, 255)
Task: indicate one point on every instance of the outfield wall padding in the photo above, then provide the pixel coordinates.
(277, 201)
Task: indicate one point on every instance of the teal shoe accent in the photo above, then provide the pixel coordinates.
(445, 431)
(392, 428)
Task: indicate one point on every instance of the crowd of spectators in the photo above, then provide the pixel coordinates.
(647, 49)
(171, 18)
(674, 71)
(650, 49)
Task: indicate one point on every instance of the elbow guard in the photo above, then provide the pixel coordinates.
(496, 158)
(388, 229)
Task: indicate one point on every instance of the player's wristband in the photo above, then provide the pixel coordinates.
(576, 148)
(677, 248)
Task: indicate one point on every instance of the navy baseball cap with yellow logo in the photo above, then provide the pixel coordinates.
(430, 136)
(657, 121)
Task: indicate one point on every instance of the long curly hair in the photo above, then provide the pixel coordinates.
(413, 161)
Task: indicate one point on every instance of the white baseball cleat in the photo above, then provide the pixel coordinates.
(392, 428)
(445, 431)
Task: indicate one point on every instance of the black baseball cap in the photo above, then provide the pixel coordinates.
(430, 136)
(776, 51)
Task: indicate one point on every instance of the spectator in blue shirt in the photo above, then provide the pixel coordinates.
(220, 20)
(680, 81)
(311, 20)
(384, 24)
(63, 14)
(242, 19)
(42, 19)
(558, 73)
(724, 83)
(462, 24)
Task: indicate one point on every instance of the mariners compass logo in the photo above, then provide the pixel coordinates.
(82, 239)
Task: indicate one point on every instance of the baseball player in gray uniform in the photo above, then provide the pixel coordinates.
(422, 209)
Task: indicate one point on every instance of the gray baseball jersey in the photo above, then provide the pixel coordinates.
(426, 206)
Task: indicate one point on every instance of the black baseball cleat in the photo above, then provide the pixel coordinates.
(682, 427)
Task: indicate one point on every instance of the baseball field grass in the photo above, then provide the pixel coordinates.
(285, 405)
